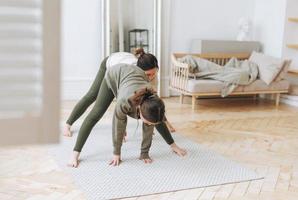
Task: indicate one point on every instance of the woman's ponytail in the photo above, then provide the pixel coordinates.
(139, 52)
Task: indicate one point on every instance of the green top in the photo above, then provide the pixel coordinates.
(124, 80)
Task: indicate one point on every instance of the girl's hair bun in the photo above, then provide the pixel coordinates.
(141, 95)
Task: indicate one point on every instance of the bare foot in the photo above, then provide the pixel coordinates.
(147, 160)
(67, 132)
(74, 161)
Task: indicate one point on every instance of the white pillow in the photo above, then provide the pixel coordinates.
(284, 71)
(269, 67)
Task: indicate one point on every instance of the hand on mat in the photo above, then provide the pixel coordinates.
(178, 150)
(116, 160)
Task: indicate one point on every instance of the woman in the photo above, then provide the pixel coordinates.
(129, 84)
(90, 97)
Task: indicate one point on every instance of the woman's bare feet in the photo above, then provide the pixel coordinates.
(67, 132)
(74, 161)
(147, 160)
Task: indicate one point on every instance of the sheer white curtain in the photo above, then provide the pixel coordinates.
(20, 57)
(29, 71)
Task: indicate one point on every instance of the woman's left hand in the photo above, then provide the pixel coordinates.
(116, 160)
(178, 150)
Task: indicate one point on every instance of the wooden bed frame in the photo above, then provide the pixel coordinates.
(180, 76)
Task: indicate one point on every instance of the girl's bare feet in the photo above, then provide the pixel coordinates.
(67, 132)
(74, 161)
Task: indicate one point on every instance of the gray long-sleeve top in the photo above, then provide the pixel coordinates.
(124, 80)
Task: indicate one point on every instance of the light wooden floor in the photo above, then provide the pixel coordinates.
(254, 133)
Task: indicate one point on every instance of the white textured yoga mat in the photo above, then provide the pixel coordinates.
(200, 168)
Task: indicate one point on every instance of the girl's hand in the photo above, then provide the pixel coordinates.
(178, 150)
(116, 160)
(147, 160)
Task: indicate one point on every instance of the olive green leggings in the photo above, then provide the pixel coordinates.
(91, 95)
(104, 99)
(104, 96)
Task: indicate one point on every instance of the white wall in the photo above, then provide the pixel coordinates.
(275, 31)
(188, 19)
(81, 53)
(144, 17)
(138, 14)
(201, 19)
(291, 37)
(114, 25)
(272, 28)
(165, 47)
(291, 34)
(269, 20)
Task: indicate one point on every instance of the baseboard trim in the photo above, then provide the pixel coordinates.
(165, 85)
(286, 99)
(290, 100)
(74, 88)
